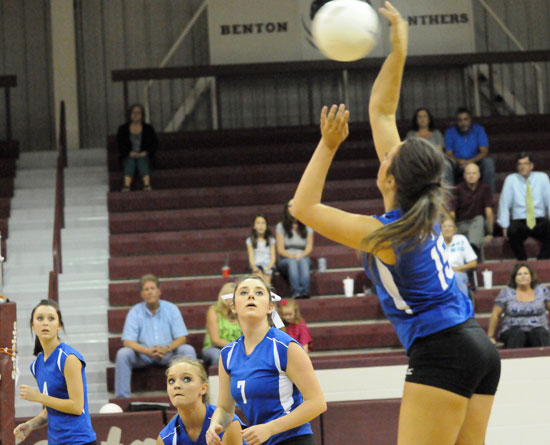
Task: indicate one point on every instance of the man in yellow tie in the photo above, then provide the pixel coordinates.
(524, 208)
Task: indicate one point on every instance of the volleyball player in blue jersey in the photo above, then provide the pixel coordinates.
(267, 373)
(59, 372)
(454, 368)
(187, 386)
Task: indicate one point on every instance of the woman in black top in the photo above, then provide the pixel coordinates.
(137, 143)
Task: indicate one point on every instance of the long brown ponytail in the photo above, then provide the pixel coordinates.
(417, 168)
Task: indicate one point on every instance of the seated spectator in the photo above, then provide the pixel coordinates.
(137, 144)
(467, 142)
(526, 196)
(523, 305)
(295, 325)
(261, 249)
(423, 126)
(294, 244)
(473, 208)
(222, 327)
(154, 332)
(460, 254)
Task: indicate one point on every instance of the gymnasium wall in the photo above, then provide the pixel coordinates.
(25, 51)
(115, 34)
(109, 42)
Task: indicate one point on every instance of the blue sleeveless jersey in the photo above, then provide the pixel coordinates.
(174, 433)
(259, 383)
(63, 428)
(419, 293)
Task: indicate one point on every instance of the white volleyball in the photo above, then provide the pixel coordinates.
(110, 408)
(345, 30)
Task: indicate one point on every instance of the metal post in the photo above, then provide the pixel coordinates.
(540, 91)
(219, 120)
(491, 89)
(214, 103)
(477, 101)
(8, 113)
(345, 87)
(125, 92)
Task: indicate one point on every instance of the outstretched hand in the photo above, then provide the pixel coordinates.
(334, 126)
(399, 28)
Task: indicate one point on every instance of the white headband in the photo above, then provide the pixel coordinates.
(277, 322)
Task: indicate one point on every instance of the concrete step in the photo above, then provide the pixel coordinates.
(71, 238)
(74, 197)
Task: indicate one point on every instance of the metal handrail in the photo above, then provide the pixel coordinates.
(172, 51)
(512, 37)
(456, 61)
(59, 208)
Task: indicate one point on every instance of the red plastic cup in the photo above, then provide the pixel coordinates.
(226, 270)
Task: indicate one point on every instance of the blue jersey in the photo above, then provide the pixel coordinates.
(174, 433)
(419, 293)
(63, 428)
(259, 383)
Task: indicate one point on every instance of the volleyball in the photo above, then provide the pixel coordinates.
(110, 408)
(345, 30)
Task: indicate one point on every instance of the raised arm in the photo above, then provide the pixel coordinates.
(345, 228)
(384, 97)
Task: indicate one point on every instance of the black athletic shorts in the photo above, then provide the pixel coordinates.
(306, 439)
(460, 359)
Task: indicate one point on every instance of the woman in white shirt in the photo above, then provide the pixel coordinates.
(460, 254)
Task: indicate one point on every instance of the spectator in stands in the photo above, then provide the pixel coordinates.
(526, 196)
(467, 142)
(460, 254)
(523, 305)
(294, 244)
(295, 325)
(153, 333)
(222, 327)
(137, 143)
(473, 208)
(261, 249)
(423, 126)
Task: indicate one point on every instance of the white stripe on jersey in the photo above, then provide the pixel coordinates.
(59, 360)
(174, 439)
(230, 354)
(391, 287)
(33, 368)
(285, 385)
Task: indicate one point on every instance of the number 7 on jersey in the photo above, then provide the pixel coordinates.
(240, 385)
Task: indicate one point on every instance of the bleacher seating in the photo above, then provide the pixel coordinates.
(208, 186)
